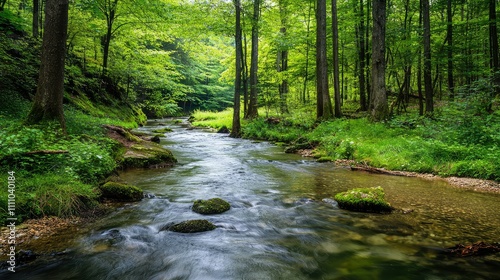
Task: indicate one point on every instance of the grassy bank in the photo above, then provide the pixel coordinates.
(57, 174)
(456, 141)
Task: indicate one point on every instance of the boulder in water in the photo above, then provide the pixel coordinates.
(211, 206)
(364, 200)
(121, 192)
(190, 226)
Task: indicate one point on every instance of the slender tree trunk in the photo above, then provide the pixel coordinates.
(236, 130)
(254, 62)
(306, 76)
(244, 78)
(362, 58)
(2, 4)
(419, 70)
(336, 74)
(494, 46)
(380, 109)
(283, 58)
(324, 105)
(429, 103)
(48, 101)
(449, 32)
(367, 54)
(36, 13)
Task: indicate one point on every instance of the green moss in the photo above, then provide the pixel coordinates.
(121, 192)
(364, 200)
(211, 206)
(192, 226)
(146, 155)
(162, 130)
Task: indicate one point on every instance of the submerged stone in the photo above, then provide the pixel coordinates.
(191, 226)
(121, 192)
(364, 200)
(211, 206)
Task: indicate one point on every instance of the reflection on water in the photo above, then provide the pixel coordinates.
(283, 223)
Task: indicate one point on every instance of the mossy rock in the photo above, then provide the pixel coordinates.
(364, 200)
(162, 130)
(146, 155)
(211, 206)
(121, 192)
(192, 226)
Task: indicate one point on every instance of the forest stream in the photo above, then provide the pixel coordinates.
(283, 222)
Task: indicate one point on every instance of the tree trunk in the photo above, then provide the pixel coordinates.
(108, 8)
(282, 61)
(323, 106)
(36, 13)
(306, 76)
(244, 74)
(419, 69)
(362, 58)
(429, 103)
(336, 74)
(494, 46)
(449, 33)
(236, 130)
(48, 101)
(379, 107)
(254, 62)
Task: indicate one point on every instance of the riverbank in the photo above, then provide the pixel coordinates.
(447, 147)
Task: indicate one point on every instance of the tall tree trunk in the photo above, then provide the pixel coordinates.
(429, 103)
(449, 33)
(306, 76)
(48, 101)
(2, 4)
(419, 69)
(367, 54)
(36, 13)
(254, 62)
(494, 46)
(109, 9)
(324, 105)
(336, 74)
(380, 109)
(362, 58)
(282, 61)
(236, 130)
(244, 73)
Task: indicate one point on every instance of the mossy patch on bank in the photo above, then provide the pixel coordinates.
(211, 206)
(364, 200)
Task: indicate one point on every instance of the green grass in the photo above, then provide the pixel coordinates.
(38, 195)
(213, 119)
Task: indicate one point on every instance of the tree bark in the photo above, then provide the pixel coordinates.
(336, 72)
(48, 100)
(362, 58)
(282, 61)
(429, 103)
(323, 106)
(236, 130)
(449, 33)
(36, 13)
(378, 99)
(254, 62)
(494, 46)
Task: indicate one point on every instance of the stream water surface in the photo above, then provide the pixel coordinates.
(283, 223)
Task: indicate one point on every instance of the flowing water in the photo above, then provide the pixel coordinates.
(283, 223)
